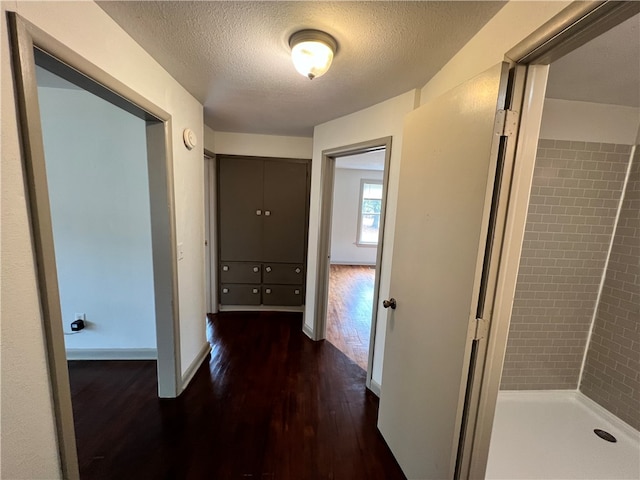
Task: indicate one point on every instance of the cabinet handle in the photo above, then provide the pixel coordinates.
(255, 290)
(267, 269)
(298, 270)
(225, 290)
(267, 291)
(296, 291)
(225, 268)
(258, 212)
(256, 269)
(267, 213)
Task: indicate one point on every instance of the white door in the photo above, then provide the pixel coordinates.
(447, 169)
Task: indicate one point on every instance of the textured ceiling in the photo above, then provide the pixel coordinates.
(605, 70)
(234, 56)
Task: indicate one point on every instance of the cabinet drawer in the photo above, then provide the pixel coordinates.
(283, 273)
(240, 272)
(283, 295)
(240, 294)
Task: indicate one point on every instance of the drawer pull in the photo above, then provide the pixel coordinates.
(256, 269)
(267, 269)
(255, 290)
(296, 291)
(225, 268)
(298, 270)
(225, 290)
(267, 291)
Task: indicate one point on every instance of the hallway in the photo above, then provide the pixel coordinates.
(268, 404)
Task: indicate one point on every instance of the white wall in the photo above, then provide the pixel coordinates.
(96, 156)
(589, 122)
(344, 218)
(381, 120)
(512, 24)
(258, 145)
(29, 448)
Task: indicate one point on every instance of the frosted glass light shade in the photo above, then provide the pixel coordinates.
(312, 52)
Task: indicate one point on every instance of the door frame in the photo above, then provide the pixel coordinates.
(327, 177)
(579, 23)
(211, 220)
(25, 38)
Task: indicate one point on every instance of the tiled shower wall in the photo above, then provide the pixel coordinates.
(612, 371)
(574, 200)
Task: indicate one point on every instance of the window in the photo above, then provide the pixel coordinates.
(369, 212)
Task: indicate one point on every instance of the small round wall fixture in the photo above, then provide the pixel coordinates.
(312, 52)
(189, 138)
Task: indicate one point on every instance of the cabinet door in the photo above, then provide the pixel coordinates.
(285, 205)
(240, 209)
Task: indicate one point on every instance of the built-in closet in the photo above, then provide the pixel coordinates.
(262, 224)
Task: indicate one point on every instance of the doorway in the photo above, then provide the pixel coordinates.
(354, 189)
(355, 233)
(572, 330)
(32, 47)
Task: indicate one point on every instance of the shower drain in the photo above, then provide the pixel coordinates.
(605, 435)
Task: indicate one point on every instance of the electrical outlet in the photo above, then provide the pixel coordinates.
(80, 316)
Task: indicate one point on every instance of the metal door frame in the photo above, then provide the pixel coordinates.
(579, 23)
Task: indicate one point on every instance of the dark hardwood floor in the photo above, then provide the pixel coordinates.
(268, 404)
(349, 310)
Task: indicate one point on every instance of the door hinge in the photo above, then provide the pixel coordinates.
(506, 123)
(482, 328)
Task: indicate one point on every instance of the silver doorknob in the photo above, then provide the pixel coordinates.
(390, 303)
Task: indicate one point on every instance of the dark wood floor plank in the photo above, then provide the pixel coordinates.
(267, 404)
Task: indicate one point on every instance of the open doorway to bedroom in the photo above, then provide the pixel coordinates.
(355, 229)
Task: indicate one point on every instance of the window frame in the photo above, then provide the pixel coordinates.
(359, 242)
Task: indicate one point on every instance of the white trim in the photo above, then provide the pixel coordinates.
(193, 368)
(375, 387)
(112, 354)
(306, 329)
(355, 264)
(258, 308)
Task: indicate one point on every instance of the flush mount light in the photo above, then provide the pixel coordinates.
(312, 52)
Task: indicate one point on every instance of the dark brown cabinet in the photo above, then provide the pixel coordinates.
(262, 224)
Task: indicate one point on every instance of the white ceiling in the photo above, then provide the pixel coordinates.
(605, 70)
(363, 161)
(233, 56)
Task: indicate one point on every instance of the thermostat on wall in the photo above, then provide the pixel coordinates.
(190, 139)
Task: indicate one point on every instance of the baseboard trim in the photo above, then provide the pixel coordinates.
(258, 308)
(308, 331)
(193, 368)
(112, 354)
(375, 387)
(348, 263)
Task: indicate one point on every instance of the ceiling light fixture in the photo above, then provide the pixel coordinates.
(312, 52)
